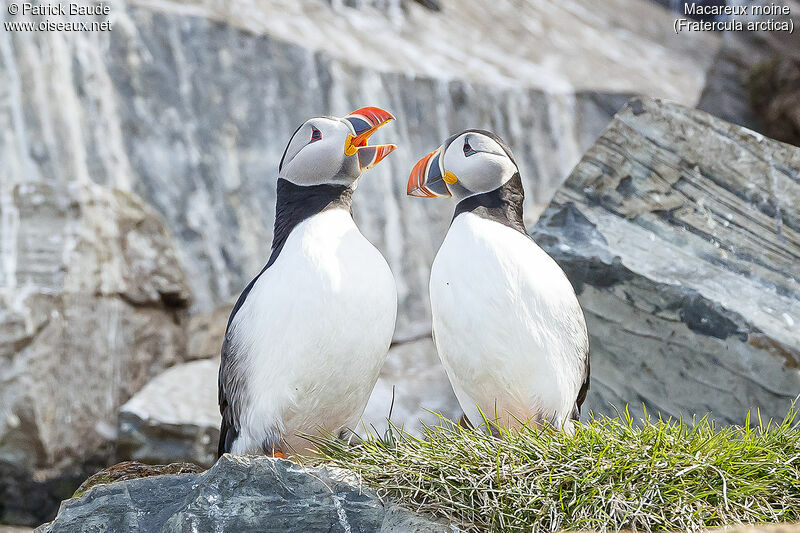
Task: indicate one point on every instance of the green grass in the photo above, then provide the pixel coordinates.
(611, 474)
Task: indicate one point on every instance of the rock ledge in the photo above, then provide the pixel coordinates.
(243, 494)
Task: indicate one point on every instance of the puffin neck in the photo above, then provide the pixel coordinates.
(295, 203)
(503, 205)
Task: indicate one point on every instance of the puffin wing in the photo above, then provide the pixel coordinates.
(583, 346)
(229, 429)
(576, 413)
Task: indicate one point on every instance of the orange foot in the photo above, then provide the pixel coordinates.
(278, 454)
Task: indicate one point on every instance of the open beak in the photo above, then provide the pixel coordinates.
(428, 178)
(367, 121)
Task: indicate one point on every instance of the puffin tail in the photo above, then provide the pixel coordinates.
(227, 435)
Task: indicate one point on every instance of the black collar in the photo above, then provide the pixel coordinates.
(295, 203)
(503, 205)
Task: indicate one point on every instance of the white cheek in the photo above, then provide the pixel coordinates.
(316, 163)
(503, 167)
(480, 172)
(329, 157)
(456, 163)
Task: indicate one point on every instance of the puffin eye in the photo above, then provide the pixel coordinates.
(468, 151)
(315, 134)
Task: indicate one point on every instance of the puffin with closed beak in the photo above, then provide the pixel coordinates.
(506, 322)
(309, 334)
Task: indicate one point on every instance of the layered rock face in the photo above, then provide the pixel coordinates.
(92, 298)
(190, 104)
(681, 234)
(243, 494)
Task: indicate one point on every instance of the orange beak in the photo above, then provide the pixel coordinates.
(365, 122)
(428, 179)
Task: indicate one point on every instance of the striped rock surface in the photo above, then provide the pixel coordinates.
(681, 234)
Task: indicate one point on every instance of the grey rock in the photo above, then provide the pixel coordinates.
(92, 300)
(681, 235)
(92, 304)
(242, 494)
(174, 418)
(206, 331)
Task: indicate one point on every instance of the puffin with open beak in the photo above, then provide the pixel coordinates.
(309, 334)
(506, 323)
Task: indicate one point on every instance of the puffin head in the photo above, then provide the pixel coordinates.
(334, 151)
(466, 164)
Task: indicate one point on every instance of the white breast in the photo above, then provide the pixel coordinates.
(507, 324)
(313, 334)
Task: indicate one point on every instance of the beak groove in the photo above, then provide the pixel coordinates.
(427, 178)
(366, 119)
